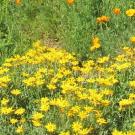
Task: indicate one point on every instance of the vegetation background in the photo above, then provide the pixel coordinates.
(72, 27)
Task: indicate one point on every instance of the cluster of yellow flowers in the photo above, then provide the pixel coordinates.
(116, 132)
(47, 89)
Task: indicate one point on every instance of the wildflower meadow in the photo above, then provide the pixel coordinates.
(67, 67)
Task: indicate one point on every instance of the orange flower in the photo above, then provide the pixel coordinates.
(17, 2)
(116, 11)
(103, 19)
(70, 2)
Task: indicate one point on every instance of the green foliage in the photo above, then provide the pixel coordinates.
(73, 27)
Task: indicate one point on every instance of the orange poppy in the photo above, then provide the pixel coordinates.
(103, 19)
(70, 2)
(116, 11)
(17, 2)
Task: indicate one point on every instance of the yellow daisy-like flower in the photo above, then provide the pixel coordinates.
(20, 129)
(130, 12)
(132, 84)
(20, 111)
(16, 92)
(13, 121)
(77, 126)
(51, 127)
(95, 44)
(101, 121)
(132, 39)
(134, 124)
(23, 120)
(37, 116)
(36, 123)
(116, 132)
(84, 131)
(6, 110)
(125, 103)
(4, 101)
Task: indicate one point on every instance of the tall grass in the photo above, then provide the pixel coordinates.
(73, 26)
(20, 25)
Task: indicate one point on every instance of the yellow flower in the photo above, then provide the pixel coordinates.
(88, 109)
(82, 96)
(20, 111)
(37, 116)
(120, 58)
(130, 133)
(84, 131)
(132, 96)
(6, 110)
(4, 81)
(132, 39)
(132, 84)
(20, 129)
(25, 74)
(60, 102)
(110, 81)
(16, 92)
(4, 101)
(101, 121)
(107, 92)
(29, 81)
(125, 103)
(83, 115)
(116, 132)
(123, 66)
(33, 81)
(13, 121)
(73, 111)
(3, 70)
(134, 124)
(36, 123)
(105, 102)
(103, 59)
(39, 82)
(51, 87)
(130, 12)
(77, 126)
(44, 108)
(51, 127)
(22, 120)
(7, 65)
(95, 44)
